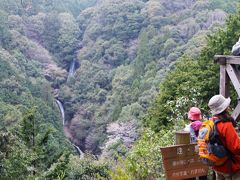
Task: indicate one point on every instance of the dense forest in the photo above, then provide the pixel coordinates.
(111, 79)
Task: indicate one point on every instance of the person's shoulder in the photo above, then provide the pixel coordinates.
(225, 124)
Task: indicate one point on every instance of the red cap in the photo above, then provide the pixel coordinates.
(194, 114)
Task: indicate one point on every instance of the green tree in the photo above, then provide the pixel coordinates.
(37, 142)
(192, 74)
(4, 30)
(68, 37)
(87, 168)
(144, 161)
(14, 157)
(176, 84)
(50, 35)
(143, 55)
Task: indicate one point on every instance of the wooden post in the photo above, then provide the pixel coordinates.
(182, 137)
(224, 82)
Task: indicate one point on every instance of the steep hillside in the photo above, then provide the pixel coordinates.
(32, 140)
(192, 82)
(126, 48)
(103, 61)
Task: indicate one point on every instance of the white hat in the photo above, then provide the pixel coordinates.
(218, 104)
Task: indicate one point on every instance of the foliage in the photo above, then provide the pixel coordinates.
(191, 74)
(144, 161)
(25, 150)
(175, 86)
(15, 158)
(143, 55)
(4, 30)
(68, 37)
(29, 140)
(125, 55)
(29, 7)
(123, 50)
(87, 168)
(57, 169)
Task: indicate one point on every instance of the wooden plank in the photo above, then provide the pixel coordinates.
(236, 113)
(233, 61)
(236, 71)
(232, 75)
(187, 172)
(223, 59)
(176, 151)
(224, 81)
(180, 162)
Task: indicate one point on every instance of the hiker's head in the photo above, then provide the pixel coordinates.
(194, 114)
(218, 104)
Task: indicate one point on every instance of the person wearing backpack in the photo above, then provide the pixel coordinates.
(195, 117)
(230, 169)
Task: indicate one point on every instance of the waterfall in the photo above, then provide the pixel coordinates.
(72, 68)
(59, 103)
(63, 119)
(61, 110)
(79, 151)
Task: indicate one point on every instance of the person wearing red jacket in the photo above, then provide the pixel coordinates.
(230, 170)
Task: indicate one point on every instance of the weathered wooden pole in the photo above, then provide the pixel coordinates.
(182, 137)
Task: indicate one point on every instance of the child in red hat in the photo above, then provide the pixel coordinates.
(195, 117)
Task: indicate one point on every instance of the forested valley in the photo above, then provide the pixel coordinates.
(91, 89)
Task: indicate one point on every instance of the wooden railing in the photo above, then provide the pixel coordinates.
(229, 70)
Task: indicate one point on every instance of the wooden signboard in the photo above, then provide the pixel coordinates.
(182, 162)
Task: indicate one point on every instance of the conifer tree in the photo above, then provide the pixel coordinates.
(143, 55)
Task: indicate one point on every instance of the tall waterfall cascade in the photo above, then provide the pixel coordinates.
(59, 103)
(61, 108)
